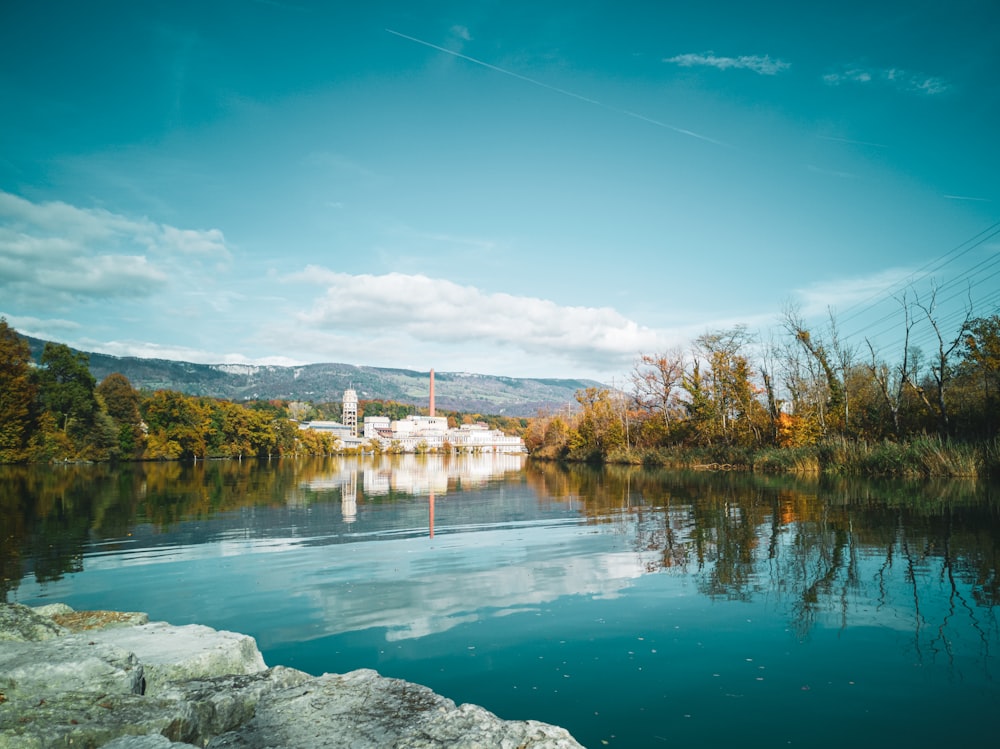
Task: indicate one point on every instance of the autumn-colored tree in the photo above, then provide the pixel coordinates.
(178, 426)
(547, 436)
(120, 398)
(981, 365)
(599, 429)
(244, 432)
(723, 401)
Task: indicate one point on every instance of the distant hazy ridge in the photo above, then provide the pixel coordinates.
(477, 393)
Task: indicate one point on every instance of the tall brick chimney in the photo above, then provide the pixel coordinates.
(431, 409)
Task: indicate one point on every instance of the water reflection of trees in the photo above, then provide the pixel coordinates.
(828, 549)
(51, 515)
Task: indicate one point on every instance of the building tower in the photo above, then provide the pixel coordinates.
(349, 414)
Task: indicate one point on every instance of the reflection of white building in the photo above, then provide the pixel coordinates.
(422, 475)
(410, 474)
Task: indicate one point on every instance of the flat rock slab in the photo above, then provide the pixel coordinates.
(182, 653)
(362, 710)
(191, 712)
(84, 719)
(67, 664)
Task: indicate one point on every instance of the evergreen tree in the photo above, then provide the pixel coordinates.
(66, 388)
(17, 395)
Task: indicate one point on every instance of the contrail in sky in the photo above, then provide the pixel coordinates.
(562, 91)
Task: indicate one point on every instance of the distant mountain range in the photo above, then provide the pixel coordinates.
(320, 383)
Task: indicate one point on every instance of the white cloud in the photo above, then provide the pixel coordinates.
(191, 242)
(39, 328)
(847, 76)
(430, 311)
(763, 65)
(146, 350)
(899, 79)
(104, 275)
(60, 218)
(59, 251)
(930, 86)
(461, 32)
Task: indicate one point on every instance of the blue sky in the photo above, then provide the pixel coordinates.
(525, 189)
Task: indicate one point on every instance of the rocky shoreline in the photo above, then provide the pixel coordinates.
(117, 680)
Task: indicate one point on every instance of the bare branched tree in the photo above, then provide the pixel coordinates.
(656, 380)
(941, 368)
(892, 380)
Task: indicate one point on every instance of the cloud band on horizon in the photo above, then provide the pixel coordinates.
(437, 310)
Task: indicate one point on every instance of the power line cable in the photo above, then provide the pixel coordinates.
(987, 263)
(863, 306)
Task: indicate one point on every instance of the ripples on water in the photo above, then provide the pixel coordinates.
(636, 608)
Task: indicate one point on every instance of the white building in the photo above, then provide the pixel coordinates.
(479, 437)
(377, 426)
(341, 431)
(432, 432)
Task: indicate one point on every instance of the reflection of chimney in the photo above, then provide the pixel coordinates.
(432, 394)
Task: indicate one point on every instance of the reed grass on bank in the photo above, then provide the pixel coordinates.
(925, 456)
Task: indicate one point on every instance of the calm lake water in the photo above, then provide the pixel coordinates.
(636, 608)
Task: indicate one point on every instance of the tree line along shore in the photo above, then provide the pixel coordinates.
(55, 411)
(806, 404)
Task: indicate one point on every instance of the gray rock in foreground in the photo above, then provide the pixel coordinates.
(175, 654)
(111, 679)
(363, 709)
(67, 664)
(20, 624)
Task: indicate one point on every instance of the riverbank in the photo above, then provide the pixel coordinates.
(921, 457)
(117, 680)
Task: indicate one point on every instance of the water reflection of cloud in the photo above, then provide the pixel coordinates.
(412, 590)
(180, 553)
